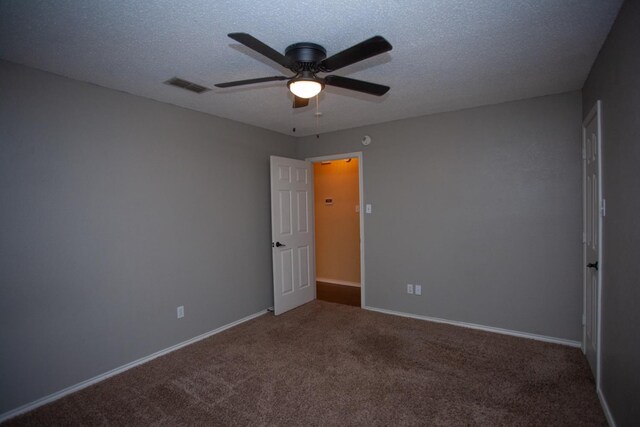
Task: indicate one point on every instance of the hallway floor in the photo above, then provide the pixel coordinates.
(341, 294)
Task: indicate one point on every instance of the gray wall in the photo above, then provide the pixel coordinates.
(615, 79)
(482, 207)
(114, 210)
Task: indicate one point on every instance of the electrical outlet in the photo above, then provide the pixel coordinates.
(181, 312)
(417, 289)
(409, 288)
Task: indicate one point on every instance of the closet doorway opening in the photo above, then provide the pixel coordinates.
(339, 245)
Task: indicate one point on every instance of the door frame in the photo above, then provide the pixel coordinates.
(358, 155)
(596, 111)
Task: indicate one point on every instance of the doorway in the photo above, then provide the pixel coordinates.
(339, 228)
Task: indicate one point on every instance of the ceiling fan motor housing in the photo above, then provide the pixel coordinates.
(308, 55)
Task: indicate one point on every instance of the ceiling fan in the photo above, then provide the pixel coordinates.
(306, 60)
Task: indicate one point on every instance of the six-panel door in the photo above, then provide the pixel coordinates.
(292, 225)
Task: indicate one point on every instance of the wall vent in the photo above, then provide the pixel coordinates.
(184, 84)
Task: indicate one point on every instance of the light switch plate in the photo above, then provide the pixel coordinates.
(368, 208)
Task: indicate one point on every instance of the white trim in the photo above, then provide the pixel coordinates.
(358, 155)
(562, 341)
(338, 282)
(86, 383)
(339, 156)
(605, 409)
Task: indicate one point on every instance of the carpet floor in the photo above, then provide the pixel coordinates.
(331, 364)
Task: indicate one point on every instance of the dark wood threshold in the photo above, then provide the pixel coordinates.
(341, 294)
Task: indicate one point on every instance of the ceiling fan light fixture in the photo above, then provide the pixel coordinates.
(305, 88)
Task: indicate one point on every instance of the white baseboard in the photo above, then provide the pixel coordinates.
(605, 408)
(337, 282)
(545, 338)
(57, 395)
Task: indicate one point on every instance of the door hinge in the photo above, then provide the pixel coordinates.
(603, 207)
(584, 319)
(584, 237)
(584, 152)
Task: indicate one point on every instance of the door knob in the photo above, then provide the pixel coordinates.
(593, 265)
(278, 244)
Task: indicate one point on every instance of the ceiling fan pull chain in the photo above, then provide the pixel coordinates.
(317, 115)
(292, 123)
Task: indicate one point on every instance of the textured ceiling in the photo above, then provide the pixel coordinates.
(447, 54)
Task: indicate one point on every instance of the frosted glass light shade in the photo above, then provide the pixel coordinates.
(305, 88)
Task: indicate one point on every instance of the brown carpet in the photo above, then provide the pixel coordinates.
(331, 364)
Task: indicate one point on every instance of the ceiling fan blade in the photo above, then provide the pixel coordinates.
(255, 44)
(252, 81)
(357, 85)
(366, 49)
(300, 102)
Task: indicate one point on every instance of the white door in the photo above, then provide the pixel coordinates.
(292, 233)
(593, 209)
